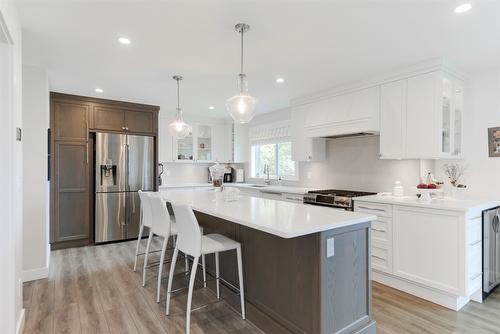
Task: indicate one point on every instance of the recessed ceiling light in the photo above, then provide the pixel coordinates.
(124, 40)
(463, 8)
(99, 90)
(211, 107)
(280, 80)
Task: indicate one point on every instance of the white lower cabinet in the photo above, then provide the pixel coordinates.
(431, 253)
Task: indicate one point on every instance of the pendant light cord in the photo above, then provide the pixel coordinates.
(241, 67)
(178, 96)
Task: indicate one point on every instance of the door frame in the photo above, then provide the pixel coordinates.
(11, 241)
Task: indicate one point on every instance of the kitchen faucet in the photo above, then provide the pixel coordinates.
(266, 171)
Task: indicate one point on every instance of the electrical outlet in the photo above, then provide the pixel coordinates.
(309, 175)
(330, 247)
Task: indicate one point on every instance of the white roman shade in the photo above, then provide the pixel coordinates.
(270, 133)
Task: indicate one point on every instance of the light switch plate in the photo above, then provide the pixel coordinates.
(330, 247)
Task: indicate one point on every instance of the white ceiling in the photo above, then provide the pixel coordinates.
(312, 44)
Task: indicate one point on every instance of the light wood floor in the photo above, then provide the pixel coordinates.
(93, 290)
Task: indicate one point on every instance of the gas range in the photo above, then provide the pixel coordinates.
(341, 199)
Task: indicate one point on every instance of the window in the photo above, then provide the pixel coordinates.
(278, 157)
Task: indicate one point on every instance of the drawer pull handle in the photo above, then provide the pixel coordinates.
(377, 229)
(475, 242)
(378, 257)
(367, 208)
(475, 276)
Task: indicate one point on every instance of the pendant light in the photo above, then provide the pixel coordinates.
(241, 107)
(178, 127)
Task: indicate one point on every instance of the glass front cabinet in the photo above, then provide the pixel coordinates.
(451, 118)
(195, 147)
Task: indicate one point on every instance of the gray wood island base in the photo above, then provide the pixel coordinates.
(290, 284)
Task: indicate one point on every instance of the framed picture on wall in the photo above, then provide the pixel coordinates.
(494, 141)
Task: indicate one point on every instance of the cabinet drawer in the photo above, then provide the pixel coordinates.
(474, 260)
(381, 258)
(381, 230)
(378, 209)
(473, 231)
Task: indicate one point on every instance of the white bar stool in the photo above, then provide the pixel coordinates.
(191, 242)
(163, 227)
(145, 221)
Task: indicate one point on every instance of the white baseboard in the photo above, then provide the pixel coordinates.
(34, 274)
(438, 297)
(20, 322)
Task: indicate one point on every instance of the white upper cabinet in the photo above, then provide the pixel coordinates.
(206, 143)
(241, 149)
(236, 146)
(423, 125)
(434, 116)
(349, 113)
(304, 148)
(421, 117)
(393, 120)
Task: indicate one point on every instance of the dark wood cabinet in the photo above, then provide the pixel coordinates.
(71, 192)
(121, 119)
(108, 118)
(70, 120)
(140, 121)
(73, 120)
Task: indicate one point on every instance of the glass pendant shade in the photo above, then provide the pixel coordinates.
(178, 128)
(241, 107)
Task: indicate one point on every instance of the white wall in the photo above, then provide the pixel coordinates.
(36, 251)
(353, 164)
(482, 110)
(11, 311)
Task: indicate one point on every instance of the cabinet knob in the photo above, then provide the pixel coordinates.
(309, 158)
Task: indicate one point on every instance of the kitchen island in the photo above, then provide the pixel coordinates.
(306, 268)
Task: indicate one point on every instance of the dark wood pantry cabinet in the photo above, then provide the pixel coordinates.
(73, 122)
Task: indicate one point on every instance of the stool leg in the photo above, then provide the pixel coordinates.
(141, 229)
(148, 245)
(171, 278)
(186, 263)
(190, 294)
(240, 275)
(204, 271)
(160, 269)
(217, 274)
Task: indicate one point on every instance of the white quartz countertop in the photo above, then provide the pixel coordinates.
(280, 218)
(444, 204)
(271, 188)
(259, 187)
(186, 185)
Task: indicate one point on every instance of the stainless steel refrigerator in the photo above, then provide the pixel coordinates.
(124, 164)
